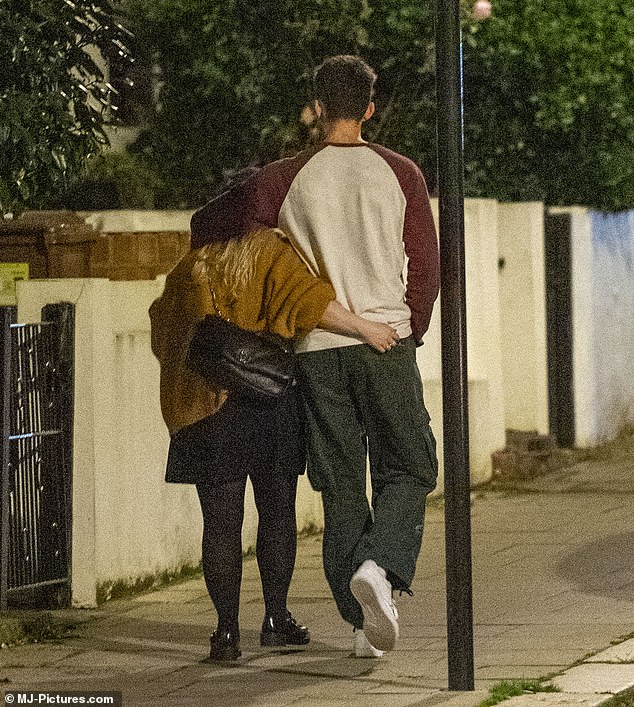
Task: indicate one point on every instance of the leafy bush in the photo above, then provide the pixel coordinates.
(549, 103)
(53, 93)
(235, 76)
(549, 90)
(113, 180)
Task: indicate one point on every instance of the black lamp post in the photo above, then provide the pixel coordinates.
(454, 346)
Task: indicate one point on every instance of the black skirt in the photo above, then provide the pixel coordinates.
(242, 438)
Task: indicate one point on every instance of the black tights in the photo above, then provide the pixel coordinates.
(223, 513)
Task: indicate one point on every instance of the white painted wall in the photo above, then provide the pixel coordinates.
(602, 322)
(126, 521)
(485, 387)
(583, 334)
(613, 321)
(523, 316)
(137, 220)
(484, 348)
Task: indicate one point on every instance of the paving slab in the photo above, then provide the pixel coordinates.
(622, 653)
(568, 699)
(399, 690)
(471, 698)
(34, 655)
(342, 668)
(495, 673)
(509, 656)
(596, 677)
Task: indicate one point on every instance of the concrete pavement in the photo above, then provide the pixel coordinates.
(553, 581)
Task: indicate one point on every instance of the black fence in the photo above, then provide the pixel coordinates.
(36, 480)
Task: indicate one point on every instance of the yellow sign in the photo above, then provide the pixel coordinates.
(10, 273)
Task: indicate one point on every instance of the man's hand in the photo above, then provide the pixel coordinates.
(381, 337)
(337, 318)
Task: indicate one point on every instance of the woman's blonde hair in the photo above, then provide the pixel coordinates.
(231, 264)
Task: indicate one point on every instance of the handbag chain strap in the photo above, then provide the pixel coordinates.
(274, 338)
(215, 303)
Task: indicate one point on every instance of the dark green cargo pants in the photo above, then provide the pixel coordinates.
(359, 402)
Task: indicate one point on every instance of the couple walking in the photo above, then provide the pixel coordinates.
(335, 248)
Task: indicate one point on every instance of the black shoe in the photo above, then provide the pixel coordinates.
(284, 632)
(225, 646)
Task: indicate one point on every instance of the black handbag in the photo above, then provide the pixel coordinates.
(245, 363)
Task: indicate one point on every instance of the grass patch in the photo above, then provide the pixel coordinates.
(514, 688)
(624, 700)
(121, 589)
(31, 627)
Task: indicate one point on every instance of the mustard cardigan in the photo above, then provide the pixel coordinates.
(282, 297)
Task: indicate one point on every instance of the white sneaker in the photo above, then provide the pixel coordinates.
(370, 587)
(363, 648)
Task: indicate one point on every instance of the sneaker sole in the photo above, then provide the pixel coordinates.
(367, 652)
(365, 655)
(380, 628)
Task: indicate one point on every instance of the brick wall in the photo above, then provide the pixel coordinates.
(113, 245)
(137, 256)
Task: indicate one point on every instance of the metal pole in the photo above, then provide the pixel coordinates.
(454, 346)
(6, 318)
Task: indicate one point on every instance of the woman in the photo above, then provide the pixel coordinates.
(217, 440)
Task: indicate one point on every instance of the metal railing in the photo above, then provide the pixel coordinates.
(37, 413)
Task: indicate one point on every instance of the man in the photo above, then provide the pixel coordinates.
(360, 215)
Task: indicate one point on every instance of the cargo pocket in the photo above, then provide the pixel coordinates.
(430, 446)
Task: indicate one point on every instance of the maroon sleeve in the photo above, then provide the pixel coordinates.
(421, 242)
(252, 204)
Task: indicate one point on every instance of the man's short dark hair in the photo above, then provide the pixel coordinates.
(344, 86)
